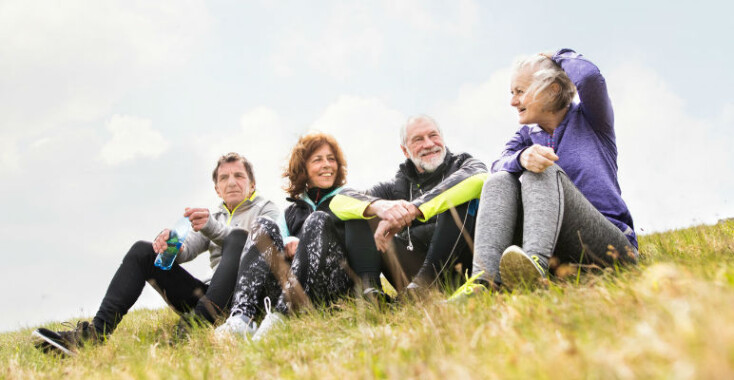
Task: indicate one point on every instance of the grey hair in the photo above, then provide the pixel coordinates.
(412, 120)
(544, 73)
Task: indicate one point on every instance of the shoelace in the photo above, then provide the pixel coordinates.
(267, 305)
(536, 259)
(469, 287)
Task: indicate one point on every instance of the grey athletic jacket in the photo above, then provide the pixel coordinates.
(219, 225)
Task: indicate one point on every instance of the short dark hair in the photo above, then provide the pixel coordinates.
(296, 172)
(234, 157)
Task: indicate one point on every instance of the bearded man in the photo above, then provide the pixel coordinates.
(414, 225)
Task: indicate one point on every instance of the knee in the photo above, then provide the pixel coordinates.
(265, 225)
(550, 173)
(141, 252)
(236, 236)
(317, 220)
(499, 180)
(266, 228)
(234, 242)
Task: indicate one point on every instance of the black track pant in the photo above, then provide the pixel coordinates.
(182, 291)
(432, 255)
(317, 274)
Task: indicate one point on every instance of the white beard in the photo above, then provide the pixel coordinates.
(429, 165)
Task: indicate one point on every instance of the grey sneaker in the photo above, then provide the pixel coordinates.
(517, 268)
(236, 325)
(67, 342)
(272, 321)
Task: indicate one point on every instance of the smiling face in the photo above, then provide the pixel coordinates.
(529, 106)
(424, 145)
(322, 167)
(233, 184)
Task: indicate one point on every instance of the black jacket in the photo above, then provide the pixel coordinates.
(457, 180)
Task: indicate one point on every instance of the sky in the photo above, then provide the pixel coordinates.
(113, 113)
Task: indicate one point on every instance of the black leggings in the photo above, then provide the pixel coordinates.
(318, 272)
(434, 253)
(182, 291)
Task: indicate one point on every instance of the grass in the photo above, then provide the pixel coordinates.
(670, 317)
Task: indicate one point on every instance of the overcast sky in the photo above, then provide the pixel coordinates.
(112, 113)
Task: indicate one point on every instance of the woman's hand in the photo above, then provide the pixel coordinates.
(290, 249)
(537, 158)
(547, 54)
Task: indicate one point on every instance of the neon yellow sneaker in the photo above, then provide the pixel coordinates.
(517, 268)
(469, 288)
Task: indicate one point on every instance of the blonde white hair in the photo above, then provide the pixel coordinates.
(545, 72)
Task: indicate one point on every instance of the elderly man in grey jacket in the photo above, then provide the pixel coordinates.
(223, 233)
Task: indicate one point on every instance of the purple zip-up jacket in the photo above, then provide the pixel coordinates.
(584, 142)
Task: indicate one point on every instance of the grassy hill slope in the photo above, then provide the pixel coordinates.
(670, 317)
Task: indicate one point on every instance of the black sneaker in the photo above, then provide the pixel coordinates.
(182, 331)
(377, 297)
(67, 342)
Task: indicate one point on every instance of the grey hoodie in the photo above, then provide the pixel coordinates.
(220, 224)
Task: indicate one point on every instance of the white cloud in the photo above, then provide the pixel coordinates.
(353, 36)
(9, 156)
(458, 18)
(674, 168)
(338, 51)
(63, 64)
(132, 137)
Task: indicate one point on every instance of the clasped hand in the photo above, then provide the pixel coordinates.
(394, 216)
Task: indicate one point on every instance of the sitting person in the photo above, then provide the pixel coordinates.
(413, 208)
(554, 191)
(223, 233)
(301, 259)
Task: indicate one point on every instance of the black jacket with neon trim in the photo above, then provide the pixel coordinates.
(456, 181)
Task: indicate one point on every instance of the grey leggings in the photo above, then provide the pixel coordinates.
(549, 217)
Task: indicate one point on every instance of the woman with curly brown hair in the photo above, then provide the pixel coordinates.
(302, 258)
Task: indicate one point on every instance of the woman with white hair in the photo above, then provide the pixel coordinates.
(554, 191)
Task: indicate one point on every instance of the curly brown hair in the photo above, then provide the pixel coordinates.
(296, 171)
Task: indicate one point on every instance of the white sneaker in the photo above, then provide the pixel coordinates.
(272, 321)
(517, 268)
(236, 325)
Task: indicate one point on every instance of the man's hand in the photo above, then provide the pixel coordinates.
(159, 244)
(399, 213)
(383, 235)
(537, 158)
(198, 217)
(290, 249)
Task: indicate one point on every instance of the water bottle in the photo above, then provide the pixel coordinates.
(164, 260)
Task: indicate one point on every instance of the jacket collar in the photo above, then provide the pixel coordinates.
(244, 205)
(307, 200)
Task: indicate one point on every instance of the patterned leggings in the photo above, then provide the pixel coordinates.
(317, 274)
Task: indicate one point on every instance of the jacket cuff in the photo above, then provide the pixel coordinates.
(348, 208)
